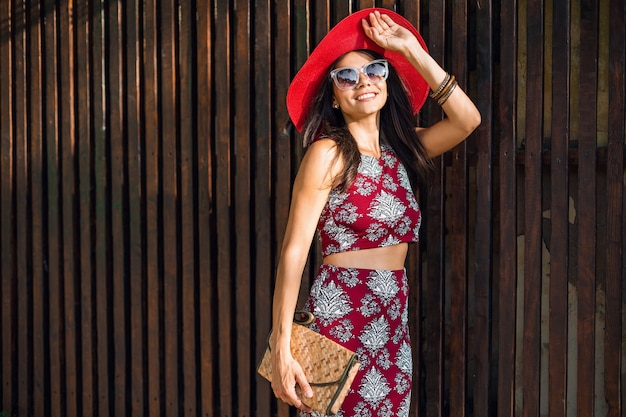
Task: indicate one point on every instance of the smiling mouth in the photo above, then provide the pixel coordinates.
(365, 96)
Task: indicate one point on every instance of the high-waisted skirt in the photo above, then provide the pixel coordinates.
(366, 310)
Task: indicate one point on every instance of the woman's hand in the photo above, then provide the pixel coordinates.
(287, 372)
(388, 34)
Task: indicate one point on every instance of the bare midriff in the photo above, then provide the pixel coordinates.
(388, 257)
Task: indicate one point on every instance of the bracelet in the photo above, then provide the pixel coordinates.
(446, 88)
(437, 93)
(447, 94)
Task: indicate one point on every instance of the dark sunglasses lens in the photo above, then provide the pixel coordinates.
(347, 78)
(376, 71)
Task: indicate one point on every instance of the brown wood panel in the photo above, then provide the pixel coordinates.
(84, 209)
(434, 273)
(223, 198)
(559, 204)
(103, 389)
(320, 24)
(586, 213)
(116, 201)
(136, 277)
(242, 183)
(21, 298)
(263, 272)
(483, 229)
(67, 141)
(150, 114)
(506, 283)
(52, 202)
(282, 167)
(187, 192)
(533, 210)
(40, 388)
(301, 36)
(169, 219)
(457, 197)
(6, 126)
(614, 347)
(364, 4)
(340, 9)
(207, 270)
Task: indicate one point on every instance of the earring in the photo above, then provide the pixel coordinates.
(335, 105)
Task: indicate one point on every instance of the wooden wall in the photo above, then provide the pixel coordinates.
(145, 175)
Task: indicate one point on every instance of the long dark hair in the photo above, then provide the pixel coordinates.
(397, 129)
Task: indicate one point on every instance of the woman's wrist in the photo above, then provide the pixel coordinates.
(425, 64)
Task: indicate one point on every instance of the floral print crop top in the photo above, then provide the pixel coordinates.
(378, 209)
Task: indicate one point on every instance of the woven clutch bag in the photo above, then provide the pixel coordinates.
(329, 367)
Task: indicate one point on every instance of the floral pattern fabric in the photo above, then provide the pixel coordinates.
(378, 209)
(366, 311)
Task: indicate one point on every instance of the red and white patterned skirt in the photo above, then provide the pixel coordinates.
(366, 310)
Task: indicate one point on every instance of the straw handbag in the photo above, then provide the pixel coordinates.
(329, 367)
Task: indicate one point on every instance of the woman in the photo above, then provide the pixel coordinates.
(354, 100)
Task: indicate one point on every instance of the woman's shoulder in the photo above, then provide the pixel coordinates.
(323, 157)
(323, 151)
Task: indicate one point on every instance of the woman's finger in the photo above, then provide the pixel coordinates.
(387, 21)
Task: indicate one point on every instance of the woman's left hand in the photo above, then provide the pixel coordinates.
(388, 34)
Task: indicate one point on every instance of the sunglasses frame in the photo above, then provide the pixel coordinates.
(359, 71)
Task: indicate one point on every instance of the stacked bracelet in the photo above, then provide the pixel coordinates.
(445, 89)
(437, 93)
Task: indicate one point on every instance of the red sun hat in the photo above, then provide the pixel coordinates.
(346, 36)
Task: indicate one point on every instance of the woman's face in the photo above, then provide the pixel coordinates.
(366, 98)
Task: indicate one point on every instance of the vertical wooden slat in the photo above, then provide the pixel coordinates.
(51, 201)
(282, 168)
(458, 203)
(223, 154)
(68, 213)
(170, 218)
(135, 197)
(243, 233)
(559, 240)
(263, 267)
(188, 138)
(23, 276)
(7, 273)
(341, 9)
(320, 24)
(532, 210)
(483, 402)
(207, 270)
(85, 204)
(364, 4)
(115, 129)
(614, 346)
(586, 214)
(103, 386)
(151, 211)
(392, 5)
(301, 34)
(506, 307)
(433, 278)
(36, 164)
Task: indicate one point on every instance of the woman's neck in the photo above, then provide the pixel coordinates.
(366, 133)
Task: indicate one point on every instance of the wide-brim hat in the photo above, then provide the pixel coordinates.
(346, 36)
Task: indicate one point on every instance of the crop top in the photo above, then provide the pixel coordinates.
(378, 209)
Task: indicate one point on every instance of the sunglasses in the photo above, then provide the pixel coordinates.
(347, 78)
